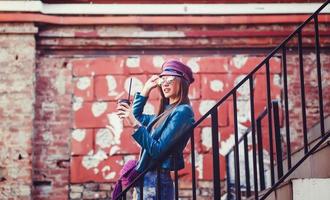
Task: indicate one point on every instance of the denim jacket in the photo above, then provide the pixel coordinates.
(155, 142)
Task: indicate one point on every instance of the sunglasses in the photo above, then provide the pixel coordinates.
(166, 80)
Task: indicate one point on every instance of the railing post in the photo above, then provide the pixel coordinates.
(229, 196)
(215, 151)
(278, 140)
(260, 155)
(254, 149)
(286, 107)
(302, 91)
(236, 152)
(247, 167)
(319, 79)
(270, 126)
(193, 166)
(176, 178)
(141, 185)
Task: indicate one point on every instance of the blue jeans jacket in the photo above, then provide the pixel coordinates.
(154, 143)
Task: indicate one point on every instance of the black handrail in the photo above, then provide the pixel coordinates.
(255, 126)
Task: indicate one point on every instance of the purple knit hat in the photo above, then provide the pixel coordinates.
(177, 68)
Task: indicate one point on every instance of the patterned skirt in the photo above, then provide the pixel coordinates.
(150, 187)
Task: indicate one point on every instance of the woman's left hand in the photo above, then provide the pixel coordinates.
(124, 111)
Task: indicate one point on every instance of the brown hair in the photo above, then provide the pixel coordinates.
(184, 99)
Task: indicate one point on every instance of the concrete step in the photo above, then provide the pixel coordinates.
(309, 168)
(302, 189)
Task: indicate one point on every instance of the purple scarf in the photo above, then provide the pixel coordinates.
(127, 176)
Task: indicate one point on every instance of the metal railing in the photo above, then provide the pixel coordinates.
(272, 113)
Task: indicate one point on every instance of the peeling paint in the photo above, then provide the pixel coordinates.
(77, 104)
(199, 164)
(205, 106)
(112, 85)
(104, 138)
(158, 61)
(79, 134)
(243, 111)
(114, 150)
(47, 136)
(137, 85)
(193, 64)
(244, 89)
(216, 85)
(207, 137)
(239, 61)
(117, 127)
(83, 83)
(277, 80)
(98, 108)
(227, 144)
(108, 176)
(93, 161)
(96, 170)
(133, 62)
(60, 83)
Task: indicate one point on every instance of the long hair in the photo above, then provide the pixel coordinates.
(163, 102)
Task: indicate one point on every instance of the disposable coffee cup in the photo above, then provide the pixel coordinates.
(124, 101)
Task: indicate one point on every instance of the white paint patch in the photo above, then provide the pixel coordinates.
(77, 104)
(239, 61)
(104, 138)
(243, 111)
(60, 83)
(207, 137)
(108, 176)
(96, 170)
(24, 190)
(112, 85)
(158, 61)
(216, 85)
(149, 109)
(137, 85)
(193, 64)
(277, 80)
(133, 62)
(92, 161)
(117, 125)
(114, 150)
(244, 89)
(206, 105)
(79, 134)
(47, 136)
(83, 83)
(98, 108)
(226, 145)
(199, 164)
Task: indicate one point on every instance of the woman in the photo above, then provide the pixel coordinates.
(156, 134)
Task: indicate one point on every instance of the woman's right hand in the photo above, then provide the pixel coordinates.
(149, 85)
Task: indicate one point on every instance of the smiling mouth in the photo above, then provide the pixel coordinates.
(166, 90)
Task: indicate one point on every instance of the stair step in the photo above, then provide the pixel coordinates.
(308, 169)
(302, 189)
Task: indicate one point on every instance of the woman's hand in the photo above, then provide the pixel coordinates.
(149, 85)
(124, 111)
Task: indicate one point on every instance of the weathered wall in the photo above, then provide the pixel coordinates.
(82, 70)
(17, 96)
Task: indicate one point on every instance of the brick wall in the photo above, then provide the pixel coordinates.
(17, 77)
(81, 71)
